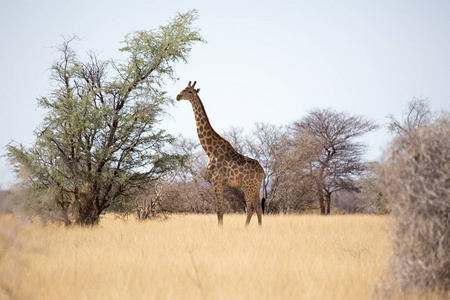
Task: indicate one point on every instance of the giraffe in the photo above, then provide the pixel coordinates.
(226, 166)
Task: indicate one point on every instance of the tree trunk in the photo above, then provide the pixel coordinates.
(65, 216)
(321, 199)
(89, 211)
(87, 214)
(320, 195)
(63, 206)
(328, 201)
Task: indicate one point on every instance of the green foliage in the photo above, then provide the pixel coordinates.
(99, 140)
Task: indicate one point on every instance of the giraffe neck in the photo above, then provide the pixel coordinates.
(211, 141)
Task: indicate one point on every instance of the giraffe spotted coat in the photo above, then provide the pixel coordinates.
(226, 165)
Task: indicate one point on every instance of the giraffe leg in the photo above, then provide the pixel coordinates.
(218, 191)
(250, 211)
(252, 198)
(253, 202)
(220, 218)
(258, 208)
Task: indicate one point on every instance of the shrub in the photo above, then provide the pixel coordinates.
(418, 177)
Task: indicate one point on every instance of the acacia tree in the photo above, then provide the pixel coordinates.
(338, 156)
(99, 140)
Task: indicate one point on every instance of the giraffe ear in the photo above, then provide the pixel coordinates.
(197, 91)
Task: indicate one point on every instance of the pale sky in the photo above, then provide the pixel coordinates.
(265, 61)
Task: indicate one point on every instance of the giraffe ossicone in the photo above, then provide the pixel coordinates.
(226, 166)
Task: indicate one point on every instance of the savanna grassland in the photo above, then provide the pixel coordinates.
(189, 257)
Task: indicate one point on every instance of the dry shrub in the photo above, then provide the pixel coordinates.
(418, 176)
(9, 202)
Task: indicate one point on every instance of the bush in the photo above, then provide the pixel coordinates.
(418, 177)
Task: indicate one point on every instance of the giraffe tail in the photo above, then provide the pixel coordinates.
(263, 200)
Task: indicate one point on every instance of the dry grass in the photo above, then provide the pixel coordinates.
(189, 257)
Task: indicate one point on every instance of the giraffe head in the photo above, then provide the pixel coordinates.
(188, 93)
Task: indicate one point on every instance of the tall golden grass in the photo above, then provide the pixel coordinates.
(190, 257)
